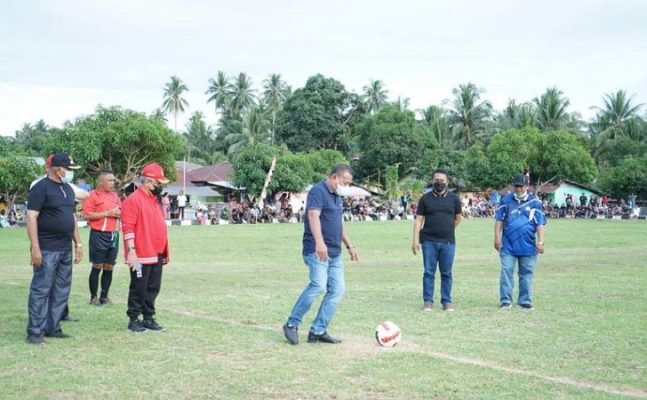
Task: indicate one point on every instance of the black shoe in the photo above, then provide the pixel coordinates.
(505, 306)
(36, 339)
(69, 319)
(323, 338)
(136, 326)
(58, 335)
(152, 325)
(291, 333)
(527, 306)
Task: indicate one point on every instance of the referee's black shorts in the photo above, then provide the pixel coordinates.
(104, 247)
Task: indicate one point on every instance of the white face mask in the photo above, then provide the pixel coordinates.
(68, 177)
(343, 190)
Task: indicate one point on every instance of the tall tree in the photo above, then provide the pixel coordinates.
(173, 100)
(118, 139)
(254, 128)
(516, 116)
(469, 115)
(275, 91)
(220, 90)
(242, 94)
(320, 115)
(16, 173)
(435, 118)
(551, 110)
(375, 95)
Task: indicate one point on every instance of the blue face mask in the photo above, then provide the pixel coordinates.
(68, 177)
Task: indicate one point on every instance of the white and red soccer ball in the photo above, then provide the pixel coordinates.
(388, 334)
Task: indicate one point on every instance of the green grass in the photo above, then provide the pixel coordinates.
(229, 289)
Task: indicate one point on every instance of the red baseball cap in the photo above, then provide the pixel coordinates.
(155, 171)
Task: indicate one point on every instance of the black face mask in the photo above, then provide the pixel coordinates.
(439, 187)
(157, 190)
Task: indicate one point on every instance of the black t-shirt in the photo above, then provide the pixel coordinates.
(439, 213)
(55, 203)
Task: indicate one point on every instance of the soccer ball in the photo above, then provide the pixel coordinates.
(388, 334)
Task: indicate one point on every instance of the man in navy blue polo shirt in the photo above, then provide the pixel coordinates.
(439, 213)
(51, 226)
(324, 231)
(518, 236)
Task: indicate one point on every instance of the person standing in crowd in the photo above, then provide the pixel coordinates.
(166, 205)
(146, 247)
(324, 231)
(583, 200)
(102, 211)
(51, 226)
(518, 237)
(439, 213)
(181, 204)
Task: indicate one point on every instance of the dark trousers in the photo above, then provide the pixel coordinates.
(143, 291)
(49, 292)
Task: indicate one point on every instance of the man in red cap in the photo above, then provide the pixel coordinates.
(146, 247)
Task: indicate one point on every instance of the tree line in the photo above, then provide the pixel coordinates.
(382, 138)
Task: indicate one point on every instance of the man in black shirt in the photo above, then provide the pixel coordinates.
(51, 226)
(438, 215)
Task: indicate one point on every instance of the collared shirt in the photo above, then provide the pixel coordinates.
(330, 205)
(100, 201)
(520, 220)
(142, 220)
(56, 222)
(440, 212)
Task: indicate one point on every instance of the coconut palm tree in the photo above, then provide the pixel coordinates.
(516, 116)
(275, 91)
(616, 114)
(435, 118)
(173, 100)
(375, 95)
(551, 110)
(253, 128)
(469, 116)
(242, 94)
(220, 90)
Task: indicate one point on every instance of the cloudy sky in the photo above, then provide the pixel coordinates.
(59, 59)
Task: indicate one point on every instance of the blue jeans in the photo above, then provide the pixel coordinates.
(439, 254)
(49, 292)
(506, 280)
(324, 276)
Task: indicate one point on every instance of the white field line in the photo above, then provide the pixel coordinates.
(413, 348)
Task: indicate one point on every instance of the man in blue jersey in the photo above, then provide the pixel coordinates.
(518, 237)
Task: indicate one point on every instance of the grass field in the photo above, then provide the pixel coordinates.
(229, 289)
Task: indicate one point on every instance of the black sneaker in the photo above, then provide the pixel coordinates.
(323, 338)
(36, 339)
(58, 335)
(136, 326)
(291, 333)
(527, 306)
(152, 325)
(67, 318)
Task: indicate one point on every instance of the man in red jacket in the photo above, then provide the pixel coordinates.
(146, 247)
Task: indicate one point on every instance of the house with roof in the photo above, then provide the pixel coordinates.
(556, 193)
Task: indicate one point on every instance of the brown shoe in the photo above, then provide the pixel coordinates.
(95, 301)
(427, 306)
(448, 307)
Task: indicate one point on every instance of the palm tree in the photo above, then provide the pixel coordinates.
(275, 91)
(159, 114)
(402, 104)
(254, 128)
(551, 110)
(220, 90)
(375, 95)
(173, 100)
(516, 116)
(435, 118)
(469, 116)
(242, 94)
(616, 114)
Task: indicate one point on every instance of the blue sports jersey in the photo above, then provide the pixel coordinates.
(520, 221)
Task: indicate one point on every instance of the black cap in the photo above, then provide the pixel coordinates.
(63, 160)
(519, 180)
